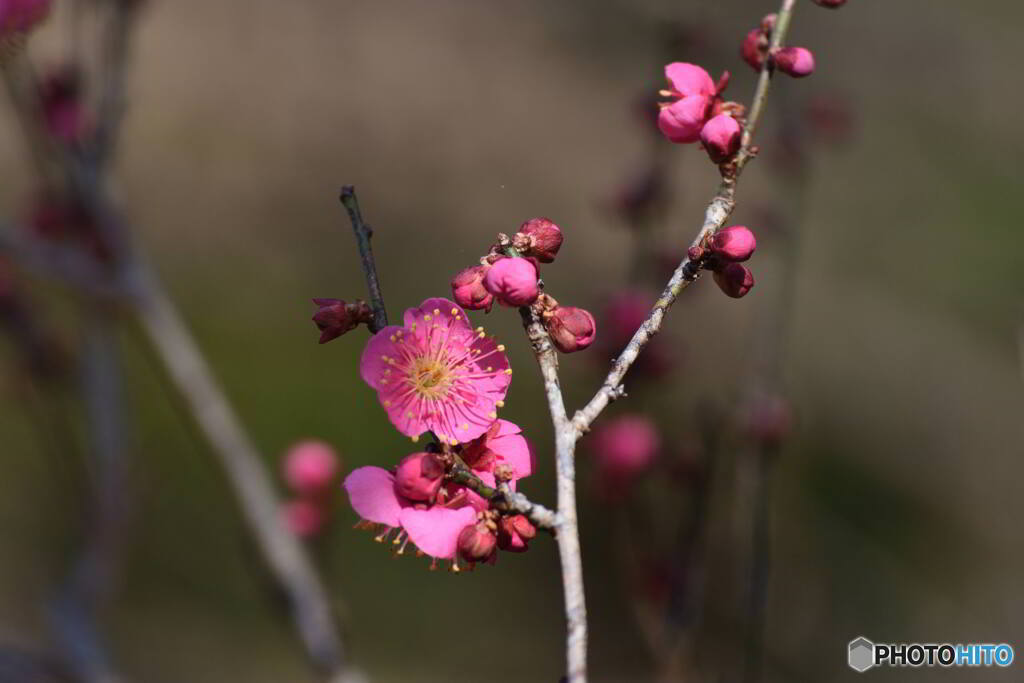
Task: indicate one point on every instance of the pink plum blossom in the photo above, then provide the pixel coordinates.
(694, 92)
(513, 281)
(310, 466)
(436, 523)
(436, 373)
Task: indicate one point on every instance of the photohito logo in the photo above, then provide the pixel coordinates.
(862, 654)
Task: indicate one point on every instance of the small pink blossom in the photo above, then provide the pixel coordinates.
(304, 517)
(572, 329)
(794, 61)
(436, 373)
(721, 137)
(469, 291)
(626, 446)
(735, 279)
(513, 281)
(310, 466)
(694, 93)
(755, 48)
(735, 243)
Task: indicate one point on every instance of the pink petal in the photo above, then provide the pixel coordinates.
(689, 79)
(371, 491)
(443, 312)
(436, 531)
(682, 120)
(514, 450)
(373, 362)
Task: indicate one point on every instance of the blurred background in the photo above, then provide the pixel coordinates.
(896, 498)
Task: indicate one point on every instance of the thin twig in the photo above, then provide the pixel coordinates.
(503, 498)
(715, 215)
(363, 233)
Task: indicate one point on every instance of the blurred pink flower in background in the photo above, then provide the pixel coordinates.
(624, 447)
(311, 466)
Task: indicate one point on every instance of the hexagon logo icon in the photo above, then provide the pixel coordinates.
(861, 654)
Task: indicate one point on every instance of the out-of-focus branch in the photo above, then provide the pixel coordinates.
(718, 210)
(75, 610)
(288, 562)
(363, 233)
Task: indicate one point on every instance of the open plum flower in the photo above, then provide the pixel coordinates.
(694, 95)
(434, 526)
(436, 373)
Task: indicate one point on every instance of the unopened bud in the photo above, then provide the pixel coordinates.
(513, 281)
(310, 466)
(571, 329)
(514, 533)
(734, 279)
(334, 317)
(794, 61)
(721, 137)
(831, 4)
(468, 289)
(419, 476)
(476, 543)
(545, 238)
(735, 243)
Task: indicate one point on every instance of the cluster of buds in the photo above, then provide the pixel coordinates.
(509, 275)
(334, 317)
(756, 51)
(420, 500)
(310, 469)
(697, 112)
(723, 253)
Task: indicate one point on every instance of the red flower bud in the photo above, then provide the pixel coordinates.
(572, 329)
(468, 289)
(735, 243)
(418, 476)
(514, 533)
(831, 4)
(734, 279)
(334, 317)
(755, 48)
(476, 543)
(794, 61)
(545, 239)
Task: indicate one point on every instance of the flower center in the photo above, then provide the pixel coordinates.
(430, 377)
